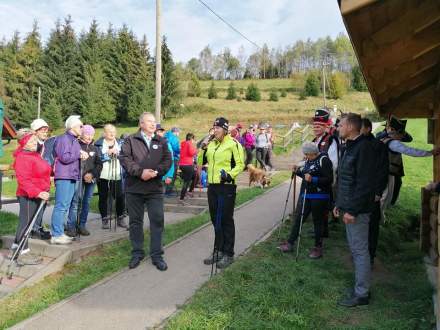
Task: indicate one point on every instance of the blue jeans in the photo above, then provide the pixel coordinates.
(64, 192)
(87, 193)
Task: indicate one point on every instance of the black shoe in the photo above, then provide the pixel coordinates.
(41, 234)
(353, 301)
(134, 262)
(121, 222)
(105, 223)
(71, 232)
(160, 264)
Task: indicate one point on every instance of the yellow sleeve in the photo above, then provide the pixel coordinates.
(238, 154)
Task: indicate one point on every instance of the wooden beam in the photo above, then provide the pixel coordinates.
(384, 78)
(402, 50)
(349, 6)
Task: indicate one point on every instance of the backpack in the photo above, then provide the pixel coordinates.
(49, 150)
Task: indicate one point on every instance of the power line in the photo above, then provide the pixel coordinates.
(228, 24)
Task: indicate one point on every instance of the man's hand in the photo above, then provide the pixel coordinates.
(295, 168)
(377, 198)
(168, 181)
(88, 178)
(308, 177)
(348, 218)
(83, 155)
(148, 174)
(436, 151)
(336, 212)
(44, 195)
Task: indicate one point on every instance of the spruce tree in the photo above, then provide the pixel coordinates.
(194, 89)
(312, 85)
(212, 91)
(232, 92)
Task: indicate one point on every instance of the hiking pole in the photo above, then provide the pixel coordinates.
(300, 224)
(115, 167)
(80, 199)
(110, 194)
(285, 205)
(23, 241)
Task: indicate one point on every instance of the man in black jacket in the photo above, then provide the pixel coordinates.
(146, 158)
(354, 202)
(316, 187)
(381, 171)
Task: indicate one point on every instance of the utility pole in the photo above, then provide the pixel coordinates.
(324, 64)
(39, 103)
(158, 63)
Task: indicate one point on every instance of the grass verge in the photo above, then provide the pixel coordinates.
(110, 259)
(268, 290)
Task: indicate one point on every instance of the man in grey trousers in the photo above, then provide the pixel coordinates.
(354, 203)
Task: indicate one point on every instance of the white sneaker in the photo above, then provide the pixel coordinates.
(61, 240)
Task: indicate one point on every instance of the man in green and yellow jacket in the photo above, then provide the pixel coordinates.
(225, 158)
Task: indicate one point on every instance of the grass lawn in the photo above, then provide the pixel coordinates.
(268, 290)
(96, 266)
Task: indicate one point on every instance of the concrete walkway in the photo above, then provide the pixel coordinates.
(144, 297)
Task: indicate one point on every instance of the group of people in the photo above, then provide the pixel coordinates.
(349, 173)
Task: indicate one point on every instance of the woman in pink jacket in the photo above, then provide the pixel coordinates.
(186, 163)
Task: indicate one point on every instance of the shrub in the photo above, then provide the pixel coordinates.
(273, 96)
(283, 93)
(231, 93)
(212, 91)
(337, 86)
(194, 88)
(253, 93)
(312, 85)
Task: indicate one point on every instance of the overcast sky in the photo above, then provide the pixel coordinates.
(187, 24)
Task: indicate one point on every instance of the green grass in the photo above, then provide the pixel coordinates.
(8, 223)
(99, 264)
(268, 290)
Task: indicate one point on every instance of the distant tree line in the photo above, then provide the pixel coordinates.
(103, 76)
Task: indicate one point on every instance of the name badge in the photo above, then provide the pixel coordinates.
(155, 146)
(91, 153)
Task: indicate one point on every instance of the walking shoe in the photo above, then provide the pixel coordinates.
(71, 232)
(211, 259)
(190, 194)
(353, 301)
(29, 259)
(348, 292)
(105, 223)
(285, 247)
(41, 234)
(225, 262)
(61, 240)
(121, 222)
(160, 264)
(13, 248)
(315, 252)
(135, 261)
(83, 231)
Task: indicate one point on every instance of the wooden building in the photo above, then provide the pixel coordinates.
(397, 43)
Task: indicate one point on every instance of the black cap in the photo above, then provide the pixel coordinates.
(221, 122)
(159, 128)
(322, 115)
(398, 124)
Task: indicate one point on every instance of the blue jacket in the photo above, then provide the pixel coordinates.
(175, 144)
(170, 173)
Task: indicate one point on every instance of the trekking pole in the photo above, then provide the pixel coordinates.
(217, 230)
(23, 241)
(110, 195)
(292, 178)
(300, 224)
(80, 199)
(115, 167)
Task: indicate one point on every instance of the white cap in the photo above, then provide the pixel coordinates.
(72, 121)
(38, 123)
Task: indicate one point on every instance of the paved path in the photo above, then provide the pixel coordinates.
(144, 297)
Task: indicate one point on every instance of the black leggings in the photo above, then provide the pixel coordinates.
(261, 156)
(318, 208)
(104, 197)
(187, 177)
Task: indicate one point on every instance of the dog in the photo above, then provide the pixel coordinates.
(258, 177)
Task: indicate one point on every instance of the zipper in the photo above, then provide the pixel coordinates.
(213, 165)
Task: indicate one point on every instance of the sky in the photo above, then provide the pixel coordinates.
(188, 25)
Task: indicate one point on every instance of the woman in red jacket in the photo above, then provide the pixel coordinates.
(33, 184)
(186, 163)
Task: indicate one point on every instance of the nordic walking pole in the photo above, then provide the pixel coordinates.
(300, 224)
(23, 241)
(110, 195)
(80, 199)
(115, 163)
(285, 205)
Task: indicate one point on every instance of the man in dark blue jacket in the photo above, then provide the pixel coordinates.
(355, 201)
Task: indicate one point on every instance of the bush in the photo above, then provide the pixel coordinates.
(273, 96)
(239, 98)
(357, 80)
(231, 93)
(212, 91)
(194, 89)
(337, 86)
(253, 93)
(283, 93)
(302, 95)
(241, 91)
(312, 85)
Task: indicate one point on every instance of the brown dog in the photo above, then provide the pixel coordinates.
(258, 177)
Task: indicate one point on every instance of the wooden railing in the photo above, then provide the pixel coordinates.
(295, 131)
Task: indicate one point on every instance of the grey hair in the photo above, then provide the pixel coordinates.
(143, 114)
(310, 148)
